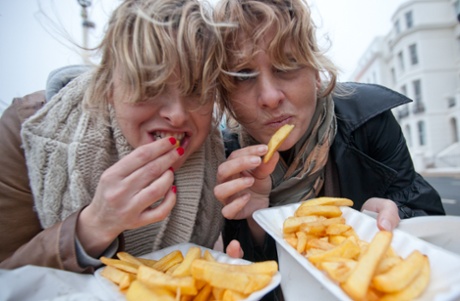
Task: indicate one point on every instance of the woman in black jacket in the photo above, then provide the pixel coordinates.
(346, 142)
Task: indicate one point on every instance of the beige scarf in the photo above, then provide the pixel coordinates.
(303, 178)
(67, 151)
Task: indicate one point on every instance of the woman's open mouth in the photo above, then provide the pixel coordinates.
(162, 134)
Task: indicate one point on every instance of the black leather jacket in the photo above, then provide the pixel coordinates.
(371, 160)
(371, 156)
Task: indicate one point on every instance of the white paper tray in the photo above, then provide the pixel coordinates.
(113, 290)
(300, 278)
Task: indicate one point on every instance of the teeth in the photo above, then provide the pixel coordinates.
(178, 136)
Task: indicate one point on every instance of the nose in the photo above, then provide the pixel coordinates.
(270, 94)
(174, 111)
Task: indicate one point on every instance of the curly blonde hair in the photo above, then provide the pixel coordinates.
(146, 41)
(292, 24)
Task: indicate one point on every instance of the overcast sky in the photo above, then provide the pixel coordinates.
(36, 35)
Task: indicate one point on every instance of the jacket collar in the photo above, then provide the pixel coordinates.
(363, 102)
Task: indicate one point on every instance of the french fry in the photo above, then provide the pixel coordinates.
(337, 229)
(230, 295)
(204, 293)
(339, 271)
(291, 240)
(129, 258)
(218, 293)
(154, 278)
(120, 264)
(183, 269)
(357, 283)
(147, 262)
(387, 263)
(326, 211)
(336, 239)
(293, 223)
(415, 288)
(302, 239)
(166, 262)
(276, 140)
(400, 275)
(319, 244)
(347, 249)
(331, 201)
(313, 228)
(208, 256)
(138, 291)
(231, 276)
(269, 267)
(122, 278)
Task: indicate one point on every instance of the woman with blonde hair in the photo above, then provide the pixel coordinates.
(124, 157)
(345, 141)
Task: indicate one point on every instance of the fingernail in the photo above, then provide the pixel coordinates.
(172, 140)
(255, 160)
(174, 189)
(180, 151)
(262, 148)
(385, 224)
(171, 169)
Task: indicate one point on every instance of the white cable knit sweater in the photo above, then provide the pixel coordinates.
(67, 151)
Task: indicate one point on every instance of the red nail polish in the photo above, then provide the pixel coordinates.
(172, 140)
(180, 151)
(171, 169)
(174, 189)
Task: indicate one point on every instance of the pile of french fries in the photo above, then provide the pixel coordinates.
(197, 276)
(364, 270)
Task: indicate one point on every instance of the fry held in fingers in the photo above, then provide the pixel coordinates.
(276, 140)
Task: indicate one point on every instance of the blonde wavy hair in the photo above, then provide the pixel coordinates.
(146, 41)
(292, 24)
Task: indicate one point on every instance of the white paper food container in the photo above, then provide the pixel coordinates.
(300, 280)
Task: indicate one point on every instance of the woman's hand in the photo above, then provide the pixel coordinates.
(243, 182)
(125, 195)
(244, 185)
(387, 212)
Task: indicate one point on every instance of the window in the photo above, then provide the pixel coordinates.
(417, 86)
(408, 135)
(413, 54)
(454, 130)
(401, 60)
(409, 19)
(404, 90)
(421, 133)
(397, 27)
(418, 106)
(451, 102)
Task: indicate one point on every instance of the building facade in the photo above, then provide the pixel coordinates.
(420, 58)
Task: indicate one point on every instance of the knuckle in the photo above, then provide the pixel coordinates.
(143, 153)
(152, 169)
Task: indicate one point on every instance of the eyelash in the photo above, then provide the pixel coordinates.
(252, 75)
